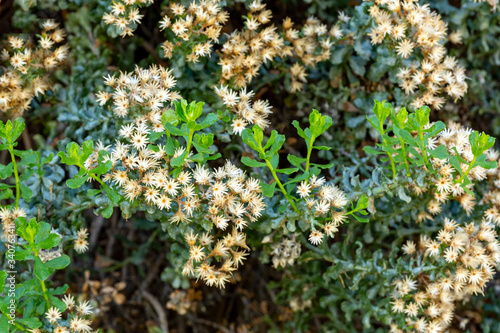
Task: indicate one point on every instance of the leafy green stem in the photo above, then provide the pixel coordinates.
(44, 288)
(190, 142)
(424, 152)
(19, 327)
(471, 165)
(391, 159)
(309, 151)
(405, 157)
(16, 174)
(282, 188)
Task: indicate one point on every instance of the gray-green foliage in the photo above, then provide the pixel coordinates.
(347, 279)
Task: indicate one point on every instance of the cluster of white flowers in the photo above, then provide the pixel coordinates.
(125, 15)
(445, 185)
(27, 65)
(326, 201)
(246, 111)
(146, 91)
(411, 27)
(470, 255)
(285, 252)
(77, 320)
(200, 24)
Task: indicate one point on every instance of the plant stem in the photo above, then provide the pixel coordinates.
(97, 179)
(44, 288)
(471, 165)
(15, 323)
(424, 152)
(16, 174)
(282, 188)
(190, 141)
(393, 166)
(45, 295)
(19, 326)
(405, 158)
(309, 151)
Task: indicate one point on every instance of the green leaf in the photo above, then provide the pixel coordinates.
(406, 136)
(480, 143)
(322, 147)
(3, 276)
(194, 110)
(54, 301)
(114, 196)
(361, 219)
(323, 166)
(48, 159)
(399, 118)
(29, 157)
(51, 241)
(276, 146)
(300, 132)
(299, 178)
(6, 194)
(75, 155)
(402, 195)
(275, 159)
(169, 116)
(271, 139)
(42, 272)
(382, 111)
(6, 170)
(108, 211)
(23, 254)
(179, 160)
(258, 134)
(31, 231)
(87, 150)
(170, 148)
(440, 152)
(375, 122)
(201, 148)
(456, 164)
(370, 150)
(422, 115)
(482, 162)
(268, 190)
(31, 323)
(10, 132)
(43, 232)
(210, 119)
(102, 168)
(4, 322)
(58, 263)
(287, 170)
(252, 163)
(435, 129)
(181, 109)
(319, 123)
(174, 130)
(362, 203)
(77, 182)
(248, 138)
(296, 161)
(93, 192)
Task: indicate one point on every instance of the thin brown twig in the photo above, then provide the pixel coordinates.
(210, 323)
(159, 310)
